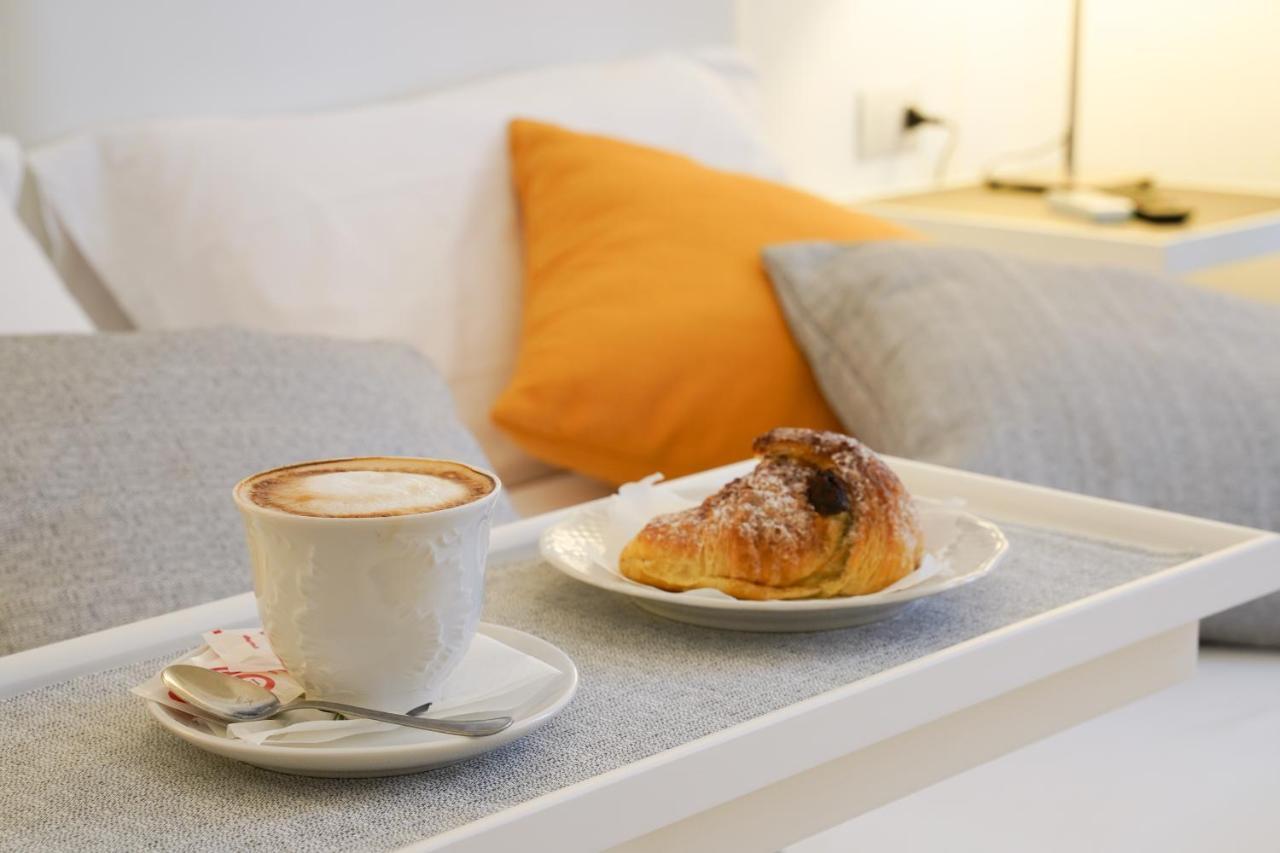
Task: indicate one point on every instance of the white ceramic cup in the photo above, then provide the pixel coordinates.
(371, 611)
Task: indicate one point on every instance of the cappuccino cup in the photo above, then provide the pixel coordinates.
(369, 572)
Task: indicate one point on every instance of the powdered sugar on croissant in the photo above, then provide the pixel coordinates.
(820, 516)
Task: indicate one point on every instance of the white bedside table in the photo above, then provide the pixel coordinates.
(1224, 230)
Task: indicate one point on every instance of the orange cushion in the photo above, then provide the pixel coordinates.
(651, 337)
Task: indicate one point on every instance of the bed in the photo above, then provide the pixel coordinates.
(300, 59)
(69, 67)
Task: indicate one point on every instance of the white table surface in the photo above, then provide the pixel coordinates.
(789, 774)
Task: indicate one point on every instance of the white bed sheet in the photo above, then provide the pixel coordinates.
(32, 297)
(1192, 768)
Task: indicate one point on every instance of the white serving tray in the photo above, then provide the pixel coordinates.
(791, 773)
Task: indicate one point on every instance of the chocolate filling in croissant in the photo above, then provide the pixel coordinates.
(827, 495)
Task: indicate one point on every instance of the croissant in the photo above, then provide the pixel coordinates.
(820, 516)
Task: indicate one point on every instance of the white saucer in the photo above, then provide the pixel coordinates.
(395, 752)
(968, 547)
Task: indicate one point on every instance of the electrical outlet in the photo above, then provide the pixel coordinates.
(880, 130)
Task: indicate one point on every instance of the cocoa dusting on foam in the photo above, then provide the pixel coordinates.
(368, 488)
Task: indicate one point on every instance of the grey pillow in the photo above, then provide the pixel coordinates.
(118, 454)
(1091, 379)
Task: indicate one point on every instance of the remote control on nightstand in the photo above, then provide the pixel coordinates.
(1091, 204)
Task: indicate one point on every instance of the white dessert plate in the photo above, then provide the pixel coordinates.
(960, 546)
(391, 753)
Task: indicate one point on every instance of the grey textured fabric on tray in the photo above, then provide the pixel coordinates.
(118, 454)
(1091, 379)
(86, 768)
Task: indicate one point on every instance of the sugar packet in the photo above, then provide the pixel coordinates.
(243, 649)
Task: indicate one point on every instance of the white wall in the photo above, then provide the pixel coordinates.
(1184, 89)
(70, 64)
(1191, 87)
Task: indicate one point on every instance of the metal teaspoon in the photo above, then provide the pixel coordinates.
(235, 700)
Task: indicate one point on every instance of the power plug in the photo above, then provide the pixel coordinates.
(881, 128)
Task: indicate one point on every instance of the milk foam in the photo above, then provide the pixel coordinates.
(366, 487)
(354, 493)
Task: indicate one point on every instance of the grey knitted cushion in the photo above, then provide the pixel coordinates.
(118, 454)
(1089, 379)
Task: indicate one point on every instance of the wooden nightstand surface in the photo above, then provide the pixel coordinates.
(1224, 228)
(1212, 209)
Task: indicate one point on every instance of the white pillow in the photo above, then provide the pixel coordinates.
(11, 167)
(393, 221)
(32, 299)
